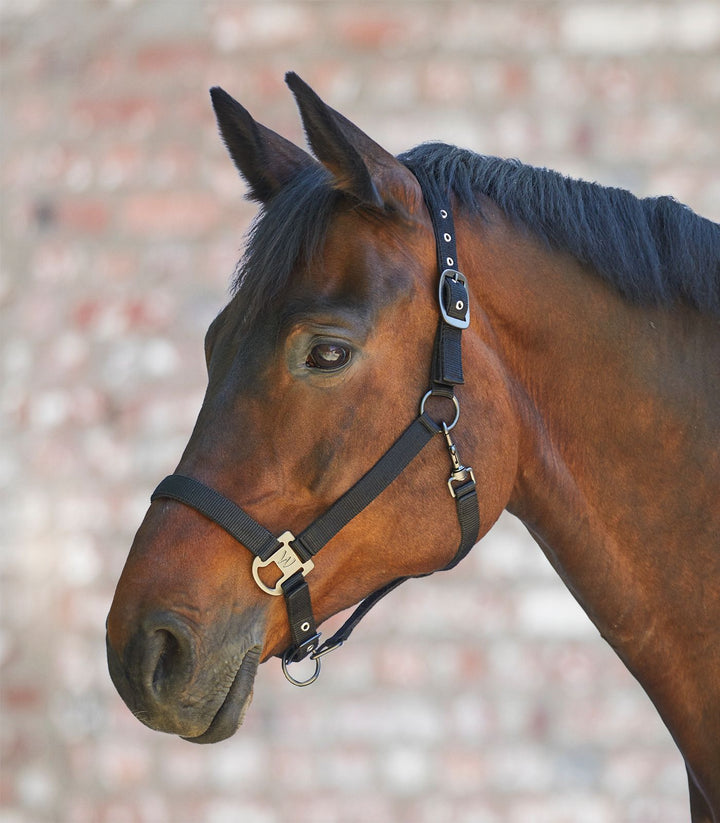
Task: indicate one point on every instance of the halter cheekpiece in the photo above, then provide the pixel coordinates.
(292, 556)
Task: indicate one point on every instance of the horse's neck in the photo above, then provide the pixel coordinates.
(618, 473)
(618, 476)
(619, 411)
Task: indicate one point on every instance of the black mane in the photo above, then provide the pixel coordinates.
(652, 250)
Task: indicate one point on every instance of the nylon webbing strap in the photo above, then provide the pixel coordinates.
(469, 519)
(222, 511)
(263, 544)
(447, 357)
(303, 628)
(453, 298)
(468, 514)
(410, 443)
(444, 227)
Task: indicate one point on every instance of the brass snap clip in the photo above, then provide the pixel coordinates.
(460, 473)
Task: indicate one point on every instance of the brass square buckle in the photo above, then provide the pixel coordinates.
(286, 560)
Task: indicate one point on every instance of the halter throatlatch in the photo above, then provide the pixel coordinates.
(292, 556)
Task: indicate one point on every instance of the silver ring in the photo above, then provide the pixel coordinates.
(455, 402)
(313, 677)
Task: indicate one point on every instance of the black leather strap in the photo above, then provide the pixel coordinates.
(263, 543)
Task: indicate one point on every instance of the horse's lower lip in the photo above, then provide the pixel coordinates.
(230, 715)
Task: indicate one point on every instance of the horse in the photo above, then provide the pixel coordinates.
(571, 356)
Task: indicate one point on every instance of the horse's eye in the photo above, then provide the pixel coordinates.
(328, 357)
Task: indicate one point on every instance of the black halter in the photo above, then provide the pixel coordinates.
(293, 555)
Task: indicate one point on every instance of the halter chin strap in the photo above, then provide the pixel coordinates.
(292, 556)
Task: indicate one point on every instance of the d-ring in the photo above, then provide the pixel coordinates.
(313, 677)
(455, 402)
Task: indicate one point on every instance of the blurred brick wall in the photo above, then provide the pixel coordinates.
(482, 695)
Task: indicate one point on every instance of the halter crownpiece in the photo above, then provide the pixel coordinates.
(291, 555)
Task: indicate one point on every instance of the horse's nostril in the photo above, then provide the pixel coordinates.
(168, 654)
(167, 660)
(158, 676)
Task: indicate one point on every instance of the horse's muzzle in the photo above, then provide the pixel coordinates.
(166, 686)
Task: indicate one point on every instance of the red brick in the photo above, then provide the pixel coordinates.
(33, 113)
(368, 28)
(21, 698)
(447, 81)
(171, 57)
(84, 215)
(169, 214)
(116, 111)
(257, 26)
(121, 164)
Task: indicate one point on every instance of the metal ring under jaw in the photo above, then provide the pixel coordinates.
(321, 650)
(287, 660)
(447, 426)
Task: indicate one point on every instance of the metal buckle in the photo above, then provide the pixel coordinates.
(458, 323)
(286, 560)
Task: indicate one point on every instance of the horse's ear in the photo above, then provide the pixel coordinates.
(360, 166)
(266, 160)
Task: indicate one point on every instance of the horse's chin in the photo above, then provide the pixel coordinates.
(230, 715)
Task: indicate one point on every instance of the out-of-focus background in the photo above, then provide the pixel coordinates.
(480, 695)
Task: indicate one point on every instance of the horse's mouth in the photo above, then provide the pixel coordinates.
(231, 713)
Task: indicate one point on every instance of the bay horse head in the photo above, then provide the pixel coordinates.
(324, 467)
(316, 367)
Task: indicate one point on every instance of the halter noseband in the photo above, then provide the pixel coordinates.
(293, 555)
